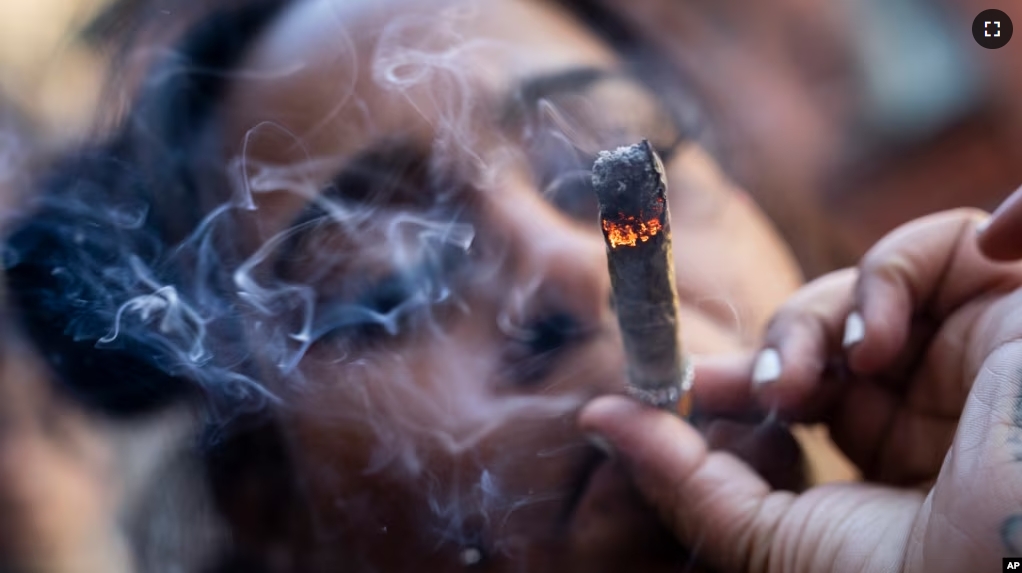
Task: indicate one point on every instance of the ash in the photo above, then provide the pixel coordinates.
(627, 167)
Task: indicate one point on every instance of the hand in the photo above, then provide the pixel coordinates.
(913, 361)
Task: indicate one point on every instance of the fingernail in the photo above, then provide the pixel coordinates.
(767, 368)
(601, 443)
(982, 226)
(855, 330)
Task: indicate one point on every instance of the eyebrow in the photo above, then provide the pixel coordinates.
(533, 89)
(388, 172)
(398, 155)
(523, 101)
(396, 172)
(383, 172)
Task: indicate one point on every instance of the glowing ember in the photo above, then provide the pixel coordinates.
(628, 231)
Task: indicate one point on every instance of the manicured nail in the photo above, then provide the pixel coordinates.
(855, 330)
(767, 368)
(601, 443)
(982, 226)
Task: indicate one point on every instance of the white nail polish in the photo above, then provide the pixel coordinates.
(855, 330)
(767, 368)
(982, 225)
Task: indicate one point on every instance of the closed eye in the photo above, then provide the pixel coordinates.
(383, 309)
(538, 348)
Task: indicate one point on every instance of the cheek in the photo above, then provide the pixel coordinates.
(701, 333)
(438, 411)
(402, 402)
(447, 389)
(731, 263)
(760, 272)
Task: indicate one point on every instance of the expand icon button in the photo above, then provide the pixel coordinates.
(992, 29)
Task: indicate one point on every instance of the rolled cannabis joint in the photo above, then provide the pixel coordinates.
(631, 188)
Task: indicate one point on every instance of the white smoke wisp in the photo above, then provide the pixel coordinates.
(450, 415)
(16, 151)
(441, 73)
(177, 318)
(12, 155)
(225, 316)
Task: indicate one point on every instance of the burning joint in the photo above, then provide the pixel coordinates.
(631, 188)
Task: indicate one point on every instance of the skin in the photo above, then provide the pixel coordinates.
(418, 446)
(926, 403)
(1000, 239)
(59, 481)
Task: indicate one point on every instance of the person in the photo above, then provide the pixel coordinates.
(360, 239)
(912, 360)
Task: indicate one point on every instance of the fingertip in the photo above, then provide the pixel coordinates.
(853, 338)
(999, 237)
(855, 330)
(876, 332)
(1000, 241)
(790, 373)
(767, 369)
(657, 448)
(982, 225)
(800, 342)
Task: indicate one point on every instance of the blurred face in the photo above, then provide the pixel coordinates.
(420, 172)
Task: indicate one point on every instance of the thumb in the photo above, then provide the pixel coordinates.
(1001, 237)
(713, 502)
(720, 509)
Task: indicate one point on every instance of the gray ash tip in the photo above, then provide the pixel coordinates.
(633, 170)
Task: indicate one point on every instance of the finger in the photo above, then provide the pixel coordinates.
(801, 340)
(728, 515)
(721, 385)
(1001, 237)
(712, 501)
(929, 266)
(731, 420)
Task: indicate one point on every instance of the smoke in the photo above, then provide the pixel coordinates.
(12, 154)
(16, 149)
(345, 316)
(439, 72)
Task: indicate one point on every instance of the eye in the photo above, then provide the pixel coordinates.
(551, 334)
(382, 309)
(536, 349)
(367, 306)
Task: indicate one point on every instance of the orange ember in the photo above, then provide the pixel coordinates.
(629, 231)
